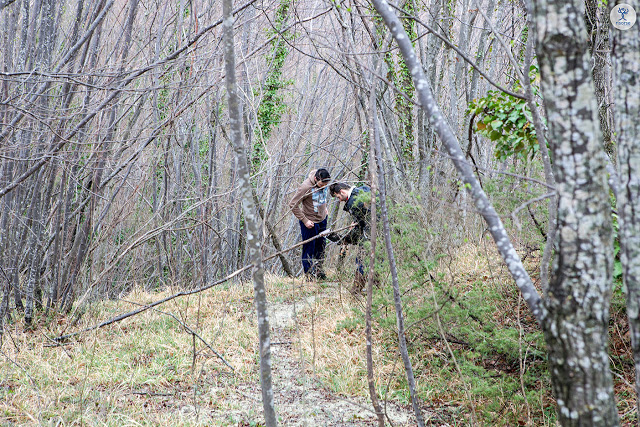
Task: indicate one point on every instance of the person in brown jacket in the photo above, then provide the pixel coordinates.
(309, 205)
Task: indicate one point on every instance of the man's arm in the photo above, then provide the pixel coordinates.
(294, 205)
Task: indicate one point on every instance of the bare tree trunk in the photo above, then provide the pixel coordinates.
(34, 218)
(480, 53)
(373, 126)
(4, 303)
(460, 67)
(251, 220)
(37, 206)
(402, 340)
(426, 135)
(272, 232)
(626, 68)
(5, 3)
(544, 154)
(44, 86)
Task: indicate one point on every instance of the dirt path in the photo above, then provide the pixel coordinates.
(300, 400)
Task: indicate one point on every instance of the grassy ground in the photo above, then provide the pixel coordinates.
(116, 374)
(142, 371)
(475, 350)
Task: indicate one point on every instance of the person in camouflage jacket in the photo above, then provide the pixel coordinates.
(358, 205)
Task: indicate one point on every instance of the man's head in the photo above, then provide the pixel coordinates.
(322, 177)
(340, 190)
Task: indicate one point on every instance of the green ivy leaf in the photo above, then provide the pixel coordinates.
(494, 135)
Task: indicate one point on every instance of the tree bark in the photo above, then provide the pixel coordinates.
(626, 68)
(546, 160)
(402, 340)
(577, 302)
(251, 219)
(4, 303)
(597, 22)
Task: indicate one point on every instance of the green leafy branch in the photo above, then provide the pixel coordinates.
(507, 121)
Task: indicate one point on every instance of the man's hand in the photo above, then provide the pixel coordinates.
(308, 223)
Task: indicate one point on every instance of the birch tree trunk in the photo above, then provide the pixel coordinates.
(626, 69)
(250, 215)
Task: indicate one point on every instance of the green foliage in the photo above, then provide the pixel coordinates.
(451, 8)
(351, 324)
(506, 121)
(507, 193)
(364, 146)
(272, 106)
(480, 322)
(164, 96)
(617, 265)
(523, 42)
(364, 197)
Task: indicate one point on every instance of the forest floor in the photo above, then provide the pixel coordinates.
(300, 399)
(476, 353)
(147, 370)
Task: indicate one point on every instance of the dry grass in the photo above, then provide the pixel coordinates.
(140, 371)
(135, 371)
(335, 356)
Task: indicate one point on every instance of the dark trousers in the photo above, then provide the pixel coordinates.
(360, 257)
(313, 252)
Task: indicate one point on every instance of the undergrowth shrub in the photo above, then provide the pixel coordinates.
(488, 354)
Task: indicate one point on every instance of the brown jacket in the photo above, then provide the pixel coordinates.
(314, 210)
